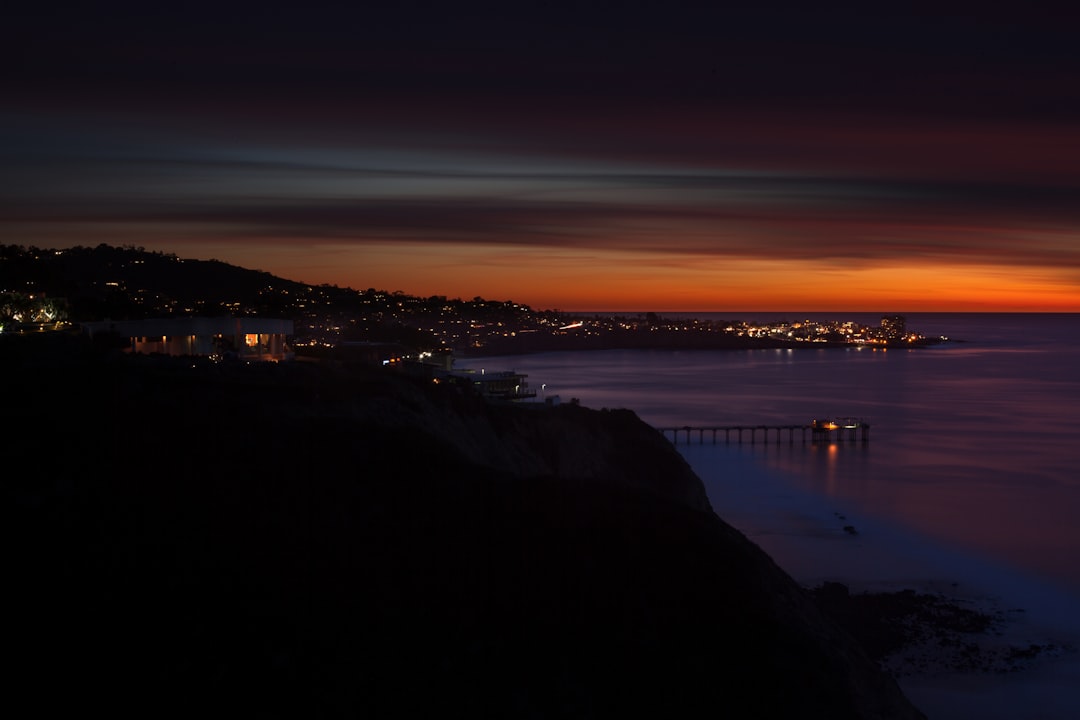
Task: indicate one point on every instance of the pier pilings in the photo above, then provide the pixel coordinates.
(814, 432)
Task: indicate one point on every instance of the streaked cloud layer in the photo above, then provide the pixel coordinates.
(630, 161)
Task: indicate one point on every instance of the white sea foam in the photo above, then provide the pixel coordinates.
(817, 539)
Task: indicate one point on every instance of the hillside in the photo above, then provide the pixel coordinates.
(120, 282)
(297, 540)
(123, 283)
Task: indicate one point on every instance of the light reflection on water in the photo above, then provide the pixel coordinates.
(975, 444)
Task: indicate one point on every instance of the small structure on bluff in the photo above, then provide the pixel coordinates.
(503, 385)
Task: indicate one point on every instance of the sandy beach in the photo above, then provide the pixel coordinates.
(1027, 665)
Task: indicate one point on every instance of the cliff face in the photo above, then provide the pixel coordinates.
(296, 542)
(532, 440)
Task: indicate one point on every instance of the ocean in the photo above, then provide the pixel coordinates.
(968, 487)
(975, 443)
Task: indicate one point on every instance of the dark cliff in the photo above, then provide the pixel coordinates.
(301, 541)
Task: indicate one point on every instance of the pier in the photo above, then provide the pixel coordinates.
(843, 430)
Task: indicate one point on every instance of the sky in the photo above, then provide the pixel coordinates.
(583, 157)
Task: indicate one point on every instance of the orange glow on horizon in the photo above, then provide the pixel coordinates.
(604, 280)
(618, 281)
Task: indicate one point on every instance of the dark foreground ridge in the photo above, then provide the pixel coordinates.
(305, 541)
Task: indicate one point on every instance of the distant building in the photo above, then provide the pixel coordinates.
(505, 385)
(894, 327)
(243, 338)
(370, 353)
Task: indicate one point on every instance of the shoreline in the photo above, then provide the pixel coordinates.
(676, 341)
(1025, 661)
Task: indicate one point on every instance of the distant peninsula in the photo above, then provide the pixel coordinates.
(651, 331)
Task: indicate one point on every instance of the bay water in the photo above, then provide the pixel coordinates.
(975, 443)
(969, 485)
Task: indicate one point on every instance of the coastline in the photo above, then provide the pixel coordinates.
(1025, 663)
(667, 340)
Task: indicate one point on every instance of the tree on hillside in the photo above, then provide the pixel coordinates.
(16, 307)
(23, 308)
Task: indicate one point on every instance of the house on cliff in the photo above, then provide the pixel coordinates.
(500, 386)
(245, 338)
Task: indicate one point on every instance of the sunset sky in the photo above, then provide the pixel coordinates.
(588, 157)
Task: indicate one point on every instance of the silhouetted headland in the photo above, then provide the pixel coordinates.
(302, 540)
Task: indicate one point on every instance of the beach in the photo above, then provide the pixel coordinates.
(1027, 665)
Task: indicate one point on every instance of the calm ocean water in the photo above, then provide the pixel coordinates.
(975, 443)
